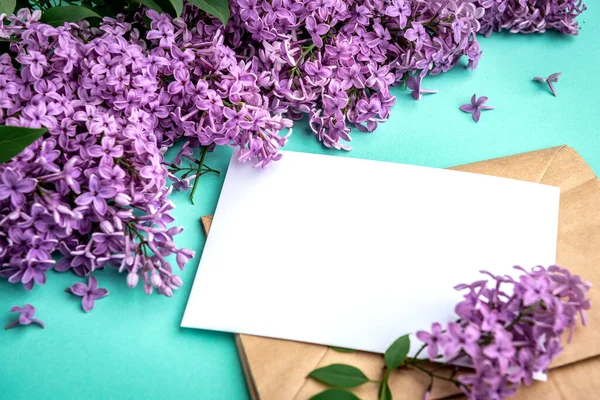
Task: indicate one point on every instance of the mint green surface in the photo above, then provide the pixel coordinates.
(131, 347)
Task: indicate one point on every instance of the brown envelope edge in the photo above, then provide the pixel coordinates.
(277, 369)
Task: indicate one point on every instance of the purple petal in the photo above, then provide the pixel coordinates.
(27, 275)
(474, 99)
(29, 309)
(39, 322)
(26, 185)
(476, 114)
(84, 199)
(468, 108)
(554, 77)
(87, 303)
(39, 276)
(92, 282)
(79, 289)
(100, 205)
(95, 151)
(412, 83)
(99, 293)
(551, 88)
(481, 100)
(17, 309)
(107, 192)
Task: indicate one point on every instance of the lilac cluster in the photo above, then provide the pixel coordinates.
(94, 188)
(115, 98)
(530, 16)
(509, 330)
(336, 60)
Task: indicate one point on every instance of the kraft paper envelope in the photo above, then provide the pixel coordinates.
(277, 369)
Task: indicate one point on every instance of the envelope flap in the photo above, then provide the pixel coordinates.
(530, 166)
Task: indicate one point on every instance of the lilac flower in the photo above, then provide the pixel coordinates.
(414, 85)
(501, 349)
(399, 9)
(41, 248)
(89, 293)
(107, 150)
(97, 195)
(431, 339)
(352, 77)
(316, 30)
(26, 317)
(36, 62)
(505, 339)
(14, 187)
(552, 78)
(416, 34)
(476, 106)
(460, 339)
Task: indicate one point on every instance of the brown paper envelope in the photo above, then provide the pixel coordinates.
(277, 369)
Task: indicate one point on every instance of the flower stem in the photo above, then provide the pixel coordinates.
(431, 374)
(199, 172)
(415, 359)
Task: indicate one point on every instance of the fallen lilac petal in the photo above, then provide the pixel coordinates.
(475, 107)
(548, 80)
(89, 293)
(25, 317)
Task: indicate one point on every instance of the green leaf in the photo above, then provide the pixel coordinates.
(13, 139)
(172, 7)
(335, 394)
(384, 391)
(216, 8)
(342, 349)
(56, 16)
(339, 375)
(151, 4)
(397, 352)
(7, 6)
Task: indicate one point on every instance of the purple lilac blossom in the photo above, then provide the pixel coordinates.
(25, 317)
(89, 293)
(114, 98)
(475, 107)
(505, 339)
(552, 78)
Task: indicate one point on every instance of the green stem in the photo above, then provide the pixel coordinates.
(522, 314)
(202, 155)
(415, 359)
(384, 382)
(142, 239)
(431, 374)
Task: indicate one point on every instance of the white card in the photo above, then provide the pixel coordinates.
(355, 253)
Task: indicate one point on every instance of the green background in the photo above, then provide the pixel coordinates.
(131, 346)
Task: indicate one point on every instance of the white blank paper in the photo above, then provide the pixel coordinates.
(355, 253)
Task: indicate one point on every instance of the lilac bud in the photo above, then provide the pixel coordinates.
(176, 230)
(132, 279)
(122, 199)
(167, 291)
(106, 227)
(176, 281)
(117, 223)
(147, 288)
(156, 281)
